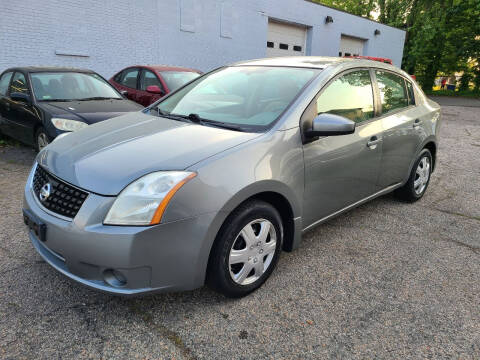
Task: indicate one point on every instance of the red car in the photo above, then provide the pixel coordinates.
(146, 84)
(384, 60)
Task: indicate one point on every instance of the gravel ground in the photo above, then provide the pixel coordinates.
(387, 280)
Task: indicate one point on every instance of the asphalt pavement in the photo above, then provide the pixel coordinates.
(388, 280)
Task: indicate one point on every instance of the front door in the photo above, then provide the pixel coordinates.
(20, 116)
(4, 85)
(341, 170)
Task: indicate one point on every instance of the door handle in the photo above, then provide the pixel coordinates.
(373, 142)
(416, 123)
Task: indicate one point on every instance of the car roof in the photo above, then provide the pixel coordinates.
(30, 69)
(316, 62)
(166, 68)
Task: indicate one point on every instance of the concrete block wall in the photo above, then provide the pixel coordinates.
(107, 35)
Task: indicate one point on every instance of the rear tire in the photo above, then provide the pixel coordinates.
(41, 139)
(419, 179)
(246, 249)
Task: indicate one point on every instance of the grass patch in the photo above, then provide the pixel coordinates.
(6, 141)
(460, 93)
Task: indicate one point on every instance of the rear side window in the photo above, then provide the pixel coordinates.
(19, 84)
(4, 82)
(393, 93)
(117, 78)
(129, 78)
(147, 79)
(350, 96)
(411, 93)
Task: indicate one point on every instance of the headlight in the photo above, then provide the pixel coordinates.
(68, 125)
(144, 201)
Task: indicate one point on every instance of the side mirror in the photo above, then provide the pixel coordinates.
(124, 93)
(330, 124)
(21, 97)
(154, 89)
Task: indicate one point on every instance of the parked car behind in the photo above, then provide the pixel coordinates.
(384, 60)
(145, 84)
(212, 182)
(39, 103)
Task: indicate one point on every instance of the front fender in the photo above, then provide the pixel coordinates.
(269, 163)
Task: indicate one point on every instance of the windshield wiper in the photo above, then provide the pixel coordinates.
(169, 116)
(196, 119)
(98, 98)
(57, 100)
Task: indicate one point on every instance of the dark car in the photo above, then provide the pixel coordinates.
(39, 103)
(147, 84)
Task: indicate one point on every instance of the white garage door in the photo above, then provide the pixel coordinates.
(285, 39)
(351, 46)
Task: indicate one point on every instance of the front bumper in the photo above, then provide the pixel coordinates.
(166, 257)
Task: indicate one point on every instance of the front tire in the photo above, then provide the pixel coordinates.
(246, 250)
(41, 139)
(419, 178)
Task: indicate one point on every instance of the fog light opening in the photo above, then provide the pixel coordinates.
(114, 278)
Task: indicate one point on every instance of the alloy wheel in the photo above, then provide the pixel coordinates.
(252, 251)
(422, 175)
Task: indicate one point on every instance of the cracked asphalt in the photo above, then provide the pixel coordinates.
(386, 280)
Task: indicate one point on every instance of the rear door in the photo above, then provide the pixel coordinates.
(402, 128)
(341, 170)
(128, 81)
(148, 78)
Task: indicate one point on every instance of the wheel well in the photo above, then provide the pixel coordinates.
(433, 150)
(34, 134)
(282, 205)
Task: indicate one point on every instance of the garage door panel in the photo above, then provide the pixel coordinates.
(351, 45)
(287, 39)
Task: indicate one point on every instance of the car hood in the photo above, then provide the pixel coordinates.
(106, 157)
(91, 111)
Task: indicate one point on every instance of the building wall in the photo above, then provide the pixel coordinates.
(107, 35)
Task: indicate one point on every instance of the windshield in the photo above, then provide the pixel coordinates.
(176, 79)
(251, 97)
(51, 86)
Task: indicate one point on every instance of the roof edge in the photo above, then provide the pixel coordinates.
(361, 17)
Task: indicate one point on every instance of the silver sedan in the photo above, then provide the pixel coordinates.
(212, 182)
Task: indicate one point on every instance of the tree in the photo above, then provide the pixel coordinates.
(356, 7)
(441, 35)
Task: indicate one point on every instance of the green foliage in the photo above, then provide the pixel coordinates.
(5, 141)
(460, 93)
(356, 7)
(441, 35)
(476, 74)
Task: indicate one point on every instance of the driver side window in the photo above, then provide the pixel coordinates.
(19, 84)
(350, 96)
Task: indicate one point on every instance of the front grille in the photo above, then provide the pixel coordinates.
(64, 199)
